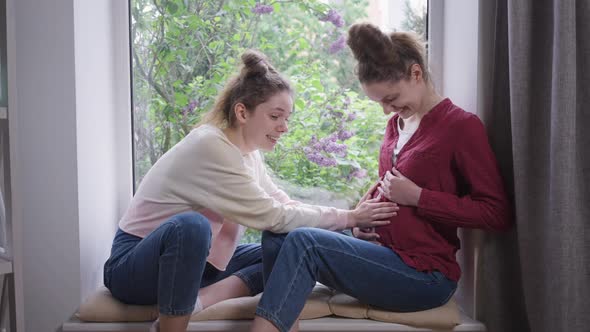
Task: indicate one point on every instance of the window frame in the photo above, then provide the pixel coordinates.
(435, 34)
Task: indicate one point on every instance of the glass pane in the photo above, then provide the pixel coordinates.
(184, 51)
(400, 15)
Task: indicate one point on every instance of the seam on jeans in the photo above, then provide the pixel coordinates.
(375, 263)
(295, 275)
(449, 296)
(173, 272)
(306, 254)
(124, 257)
(271, 318)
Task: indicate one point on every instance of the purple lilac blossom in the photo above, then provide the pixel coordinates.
(351, 117)
(318, 158)
(332, 138)
(262, 9)
(333, 17)
(358, 173)
(188, 109)
(336, 148)
(316, 150)
(338, 45)
(343, 134)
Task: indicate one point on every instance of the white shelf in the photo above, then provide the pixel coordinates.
(5, 266)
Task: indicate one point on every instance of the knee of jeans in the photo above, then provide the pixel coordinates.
(271, 241)
(302, 236)
(193, 228)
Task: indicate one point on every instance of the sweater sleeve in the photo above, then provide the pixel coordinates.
(486, 204)
(228, 189)
(269, 186)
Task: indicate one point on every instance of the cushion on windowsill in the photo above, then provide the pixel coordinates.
(102, 307)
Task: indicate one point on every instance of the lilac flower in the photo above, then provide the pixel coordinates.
(358, 173)
(332, 138)
(262, 9)
(338, 45)
(336, 148)
(317, 151)
(318, 158)
(190, 107)
(333, 17)
(329, 145)
(351, 117)
(343, 134)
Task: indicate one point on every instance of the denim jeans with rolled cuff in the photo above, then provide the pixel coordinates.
(375, 275)
(169, 266)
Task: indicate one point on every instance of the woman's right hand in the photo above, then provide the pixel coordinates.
(369, 193)
(372, 213)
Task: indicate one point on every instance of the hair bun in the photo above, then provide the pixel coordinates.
(369, 44)
(255, 63)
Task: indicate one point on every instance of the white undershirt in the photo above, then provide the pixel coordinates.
(404, 137)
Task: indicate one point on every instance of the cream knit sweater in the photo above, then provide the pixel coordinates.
(206, 173)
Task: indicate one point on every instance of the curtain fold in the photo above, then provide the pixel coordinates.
(535, 99)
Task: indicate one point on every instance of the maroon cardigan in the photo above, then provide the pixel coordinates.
(450, 158)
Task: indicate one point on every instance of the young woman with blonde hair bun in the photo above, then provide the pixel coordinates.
(178, 243)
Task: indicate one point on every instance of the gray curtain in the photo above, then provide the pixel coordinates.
(535, 88)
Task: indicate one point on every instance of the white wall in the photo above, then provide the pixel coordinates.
(96, 116)
(65, 112)
(460, 52)
(460, 83)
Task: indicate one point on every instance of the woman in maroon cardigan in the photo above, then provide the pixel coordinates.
(435, 162)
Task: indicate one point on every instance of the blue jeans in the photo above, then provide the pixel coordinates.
(373, 274)
(169, 266)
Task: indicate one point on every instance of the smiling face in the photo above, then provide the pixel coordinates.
(262, 127)
(403, 97)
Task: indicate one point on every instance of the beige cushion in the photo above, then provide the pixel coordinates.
(347, 306)
(443, 317)
(102, 307)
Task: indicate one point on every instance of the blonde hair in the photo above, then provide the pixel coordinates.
(256, 83)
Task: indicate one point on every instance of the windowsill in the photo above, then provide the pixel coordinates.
(326, 324)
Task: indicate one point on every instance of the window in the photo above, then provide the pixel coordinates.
(184, 50)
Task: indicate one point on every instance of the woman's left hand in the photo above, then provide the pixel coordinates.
(398, 188)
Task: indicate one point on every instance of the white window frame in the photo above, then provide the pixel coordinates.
(122, 40)
(438, 18)
(453, 31)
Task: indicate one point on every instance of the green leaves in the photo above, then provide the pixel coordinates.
(185, 51)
